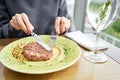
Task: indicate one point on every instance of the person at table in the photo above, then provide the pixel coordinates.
(19, 18)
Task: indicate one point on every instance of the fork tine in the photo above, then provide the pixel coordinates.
(52, 41)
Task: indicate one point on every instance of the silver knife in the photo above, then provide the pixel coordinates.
(40, 41)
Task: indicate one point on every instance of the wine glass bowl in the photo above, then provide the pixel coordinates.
(100, 13)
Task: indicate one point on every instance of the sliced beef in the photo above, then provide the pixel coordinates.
(35, 52)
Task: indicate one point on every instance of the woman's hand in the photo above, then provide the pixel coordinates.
(21, 22)
(61, 24)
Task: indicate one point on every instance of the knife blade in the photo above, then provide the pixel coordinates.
(40, 41)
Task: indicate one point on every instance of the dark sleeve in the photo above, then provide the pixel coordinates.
(63, 11)
(5, 28)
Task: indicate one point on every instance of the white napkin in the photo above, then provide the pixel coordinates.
(87, 40)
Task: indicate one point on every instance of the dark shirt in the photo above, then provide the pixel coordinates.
(42, 15)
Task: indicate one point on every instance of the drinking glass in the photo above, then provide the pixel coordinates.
(101, 13)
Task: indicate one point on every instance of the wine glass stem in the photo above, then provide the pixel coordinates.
(97, 42)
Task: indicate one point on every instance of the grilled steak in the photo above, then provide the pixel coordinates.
(35, 52)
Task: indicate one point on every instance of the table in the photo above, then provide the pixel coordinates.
(81, 70)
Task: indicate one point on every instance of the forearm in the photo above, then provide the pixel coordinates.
(7, 31)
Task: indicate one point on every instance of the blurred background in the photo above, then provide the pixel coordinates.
(77, 14)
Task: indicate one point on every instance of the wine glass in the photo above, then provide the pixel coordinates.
(101, 13)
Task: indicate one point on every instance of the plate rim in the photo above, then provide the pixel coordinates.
(44, 72)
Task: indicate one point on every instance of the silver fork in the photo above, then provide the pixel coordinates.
(53, 39)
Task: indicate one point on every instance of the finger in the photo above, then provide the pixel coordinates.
(63, 26)
(68, 23)
(21, 23)
(27, 23)
(15, 25)
(57, 25)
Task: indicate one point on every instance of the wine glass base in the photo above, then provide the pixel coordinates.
(95, 58)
